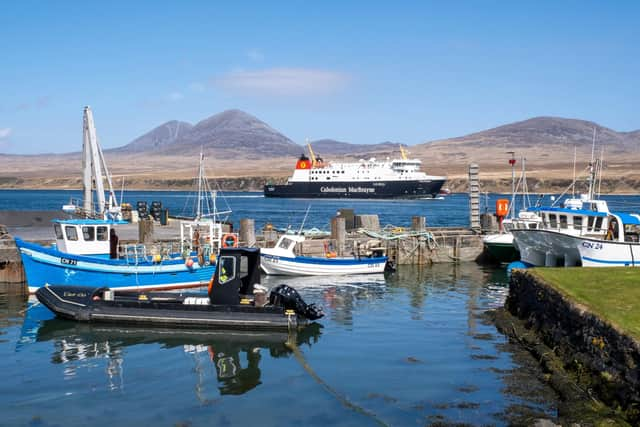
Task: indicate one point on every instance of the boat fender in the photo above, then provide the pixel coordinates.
(288, 298)
(189, 263)
(229, 241)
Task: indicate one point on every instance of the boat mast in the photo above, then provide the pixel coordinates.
(93, 156)
(87, 185)
(403, 154)
(311, 154)
(512, 162)
(592, 167)
(200, 180)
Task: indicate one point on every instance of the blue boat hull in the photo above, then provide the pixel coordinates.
(50, 266)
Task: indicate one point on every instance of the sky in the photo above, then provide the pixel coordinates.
(354, 71)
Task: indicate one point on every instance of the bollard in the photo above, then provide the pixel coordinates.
(338, 233)
(145, 230)
(247, 232)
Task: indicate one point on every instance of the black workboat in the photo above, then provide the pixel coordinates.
(234, 301)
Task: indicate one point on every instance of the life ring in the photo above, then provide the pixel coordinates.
(229, 241)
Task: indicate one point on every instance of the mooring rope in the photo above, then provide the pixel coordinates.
(291, 345)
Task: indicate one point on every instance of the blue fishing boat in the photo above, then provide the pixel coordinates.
(83, 255)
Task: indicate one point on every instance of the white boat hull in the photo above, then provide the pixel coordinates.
(551, 249)
(316, 266)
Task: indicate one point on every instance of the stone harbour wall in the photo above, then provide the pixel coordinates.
(603, 358)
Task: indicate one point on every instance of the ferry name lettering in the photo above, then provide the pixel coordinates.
(592, 245)
(361, 190)
(68, 261)
(333, 189)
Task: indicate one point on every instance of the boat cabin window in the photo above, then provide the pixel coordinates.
(631, 233)
(594, 223)
(577, 222)
(227, 266)
(285, 243)
(598, 225)
(88, 233)
(533, 226)
(553, 220)
(58, 231)
(103, 234)
(563, 221)
(71, 232)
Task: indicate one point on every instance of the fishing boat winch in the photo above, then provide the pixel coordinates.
(235, 300)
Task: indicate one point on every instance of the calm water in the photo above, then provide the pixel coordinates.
(453, 211)
(409, 349)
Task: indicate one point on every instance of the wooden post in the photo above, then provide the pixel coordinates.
(339, 233)
(248, 232)
(145, 230)
(418, 223)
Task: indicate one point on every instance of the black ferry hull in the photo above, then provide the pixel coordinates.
(357, 190)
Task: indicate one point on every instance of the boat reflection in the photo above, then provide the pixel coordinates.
(339, 294)
(234, 355)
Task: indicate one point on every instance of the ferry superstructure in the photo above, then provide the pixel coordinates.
(390, 178)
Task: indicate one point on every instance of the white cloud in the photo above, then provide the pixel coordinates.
(5, 132)
(255, 55)
(176, 96)
(284, 81)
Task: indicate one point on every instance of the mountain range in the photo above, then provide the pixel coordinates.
(257, 150)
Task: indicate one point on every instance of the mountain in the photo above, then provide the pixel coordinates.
(158, 138)
(548, 131)
(545, 142)
(230, 134)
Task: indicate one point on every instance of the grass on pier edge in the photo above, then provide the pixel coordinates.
(613, 293)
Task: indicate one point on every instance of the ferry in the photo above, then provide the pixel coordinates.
(365, 179)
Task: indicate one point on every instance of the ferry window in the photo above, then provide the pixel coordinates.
(227, 266)
(553, 221)
(89, 234)
(58, 230)
(102, 233)
(563, 221)
(598, 225)
(71, 232)
(590, 220)
(577, 222)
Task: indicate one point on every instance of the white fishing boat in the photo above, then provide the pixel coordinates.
(581, 232)
(282, 260)
(501, 244)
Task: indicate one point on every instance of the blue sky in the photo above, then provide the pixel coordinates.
(362, 72)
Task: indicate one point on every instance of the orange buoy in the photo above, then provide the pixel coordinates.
(502, 207)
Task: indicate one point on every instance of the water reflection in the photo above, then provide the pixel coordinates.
(339, 295)
(234, 355)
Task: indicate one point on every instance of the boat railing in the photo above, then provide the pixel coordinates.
(135, 253)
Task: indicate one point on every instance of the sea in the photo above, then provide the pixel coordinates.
(411, 348)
